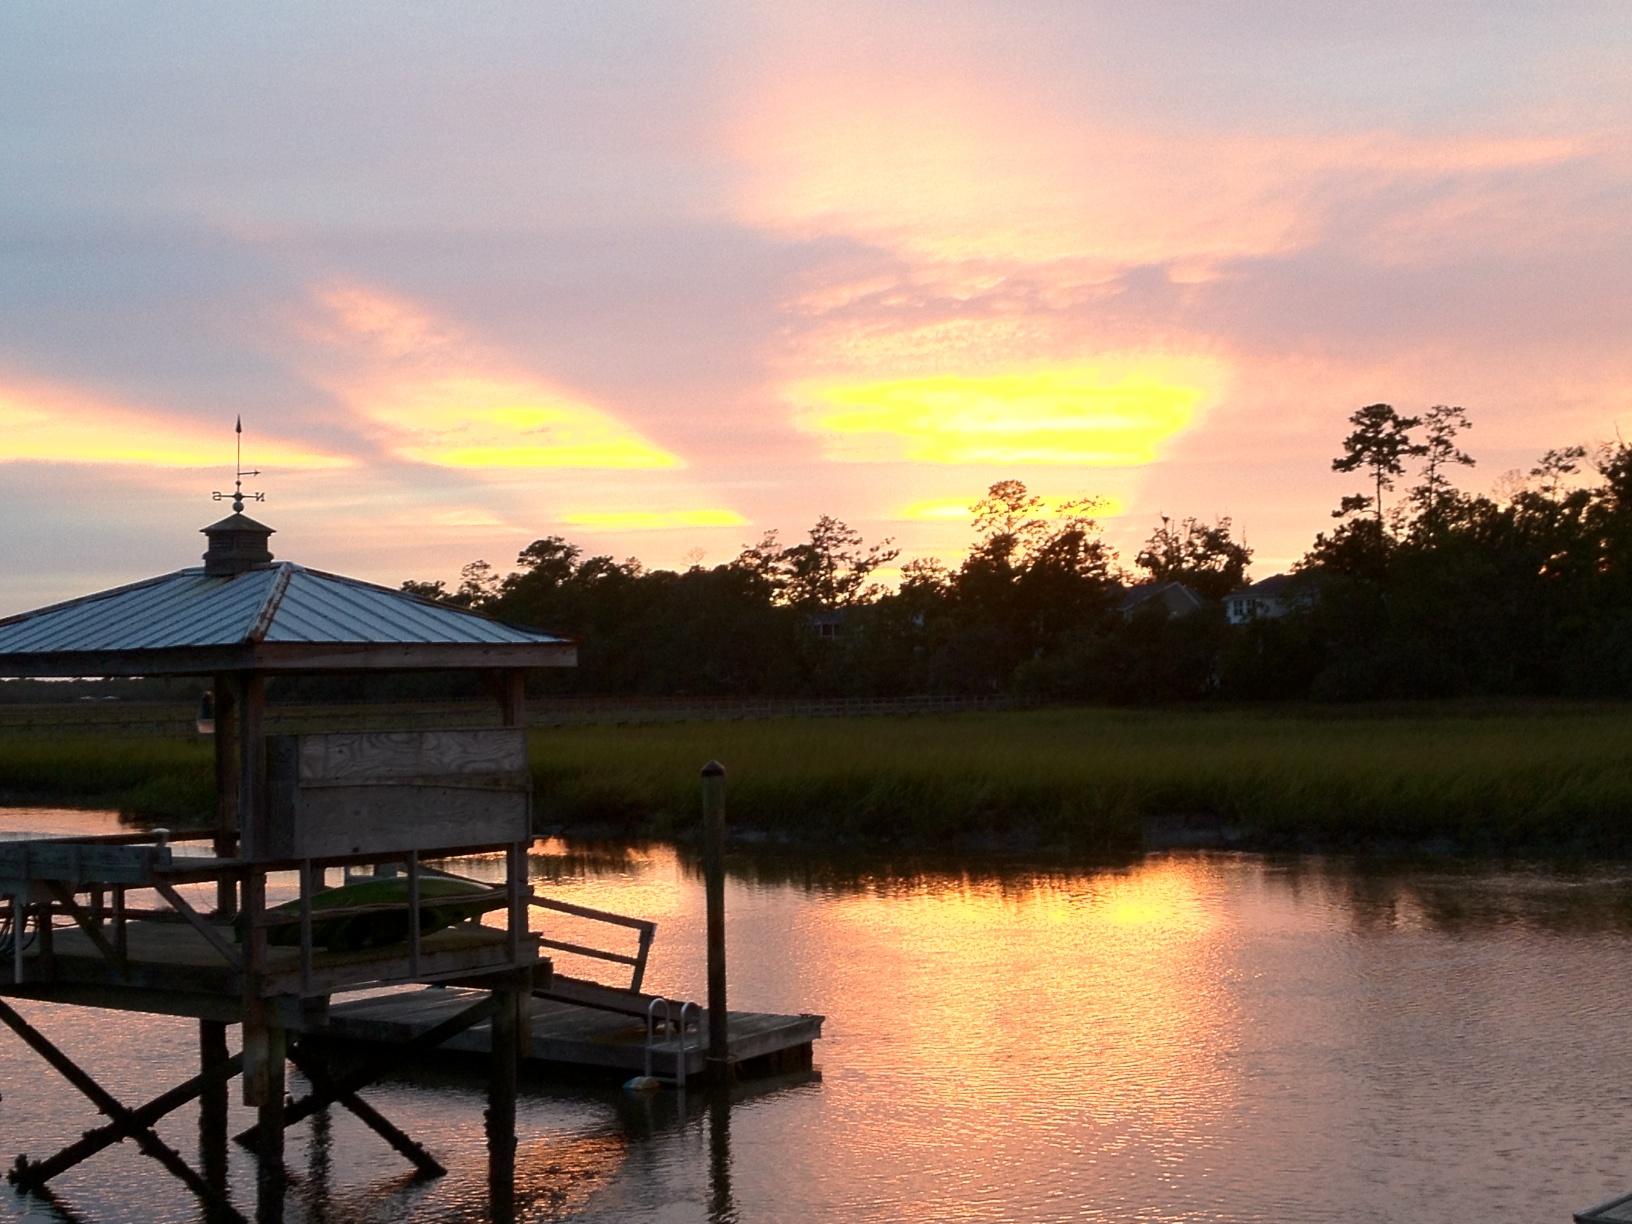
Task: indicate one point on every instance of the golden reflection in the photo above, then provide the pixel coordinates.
(1110, 415)
(51, 425)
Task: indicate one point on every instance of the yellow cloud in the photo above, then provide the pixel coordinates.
(653, 520)
(450, 401)
(1090, 415)
(47, 425)
(472, 421)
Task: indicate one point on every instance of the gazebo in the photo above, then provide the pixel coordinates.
(297, 805)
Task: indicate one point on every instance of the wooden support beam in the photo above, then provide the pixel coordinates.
(269, 1172)
(252, 766)
(306, 891)
(509, 689)
(92, 929)
(315, 1071)
(150, 1144)
(121, 936)
(352, 1081)
(31, 1174)
(639, 974)
(199, 923)
(212, 1101)
(503, 1072)
(227, 771)
(19, 922)
(413, 913)
(45, 947)
(719, 1047)
(520, 894)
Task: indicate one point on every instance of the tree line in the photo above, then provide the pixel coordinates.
(1424, 591)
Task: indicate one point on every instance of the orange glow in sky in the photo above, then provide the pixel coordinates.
(44, 425)
(448, 400)
(532, 275)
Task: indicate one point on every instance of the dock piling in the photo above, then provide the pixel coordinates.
(719, 1048)
(212, 1104)
(269, 1174)
(504, 1070)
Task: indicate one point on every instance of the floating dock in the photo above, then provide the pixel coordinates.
(571, 1035)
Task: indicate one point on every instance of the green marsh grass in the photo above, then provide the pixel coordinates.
(1493, 779)
(1089, 778)
(156, 779)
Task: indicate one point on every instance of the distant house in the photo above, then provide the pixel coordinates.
(1269, 599)
(1174, 599)
(829, 624)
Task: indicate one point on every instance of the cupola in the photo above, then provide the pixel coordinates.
(238, 544)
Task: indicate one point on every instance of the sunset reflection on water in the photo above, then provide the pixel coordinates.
(1186, 1036)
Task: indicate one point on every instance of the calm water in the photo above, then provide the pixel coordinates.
(1192, 1037)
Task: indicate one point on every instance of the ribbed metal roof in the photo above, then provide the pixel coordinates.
(283, 603)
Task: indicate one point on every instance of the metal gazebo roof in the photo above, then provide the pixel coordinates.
(262, 617)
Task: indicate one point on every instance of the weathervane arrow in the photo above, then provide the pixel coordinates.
(238, 493)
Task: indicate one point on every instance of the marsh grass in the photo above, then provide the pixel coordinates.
(1554, 779)
(1088, 779)
(155, 779)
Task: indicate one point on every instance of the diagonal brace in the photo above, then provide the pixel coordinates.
(382, 1126)
(320, 1098)
(150, 1143)
(35, 1173)
(89, 925)
(199, 923)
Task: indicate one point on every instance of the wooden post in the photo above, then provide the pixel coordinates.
(252, 765)
(509, 688)
(45, 941)
(719, 1049)
(19, 920)
(519, 893)
(501, 1104)
(269, 1173)
(226, 784)
(264, 1050)
(212, 1105)
(257, 1048)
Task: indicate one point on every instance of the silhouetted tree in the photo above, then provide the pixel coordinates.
(1380, 443)
(1205, 558)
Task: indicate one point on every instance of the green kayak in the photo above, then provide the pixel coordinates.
(442, 902)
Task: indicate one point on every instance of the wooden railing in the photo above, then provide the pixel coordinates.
(45, 879)
(637, 962)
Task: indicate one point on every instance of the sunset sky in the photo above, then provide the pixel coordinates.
(660, 277)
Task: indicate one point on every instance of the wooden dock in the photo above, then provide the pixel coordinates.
(568, 1035)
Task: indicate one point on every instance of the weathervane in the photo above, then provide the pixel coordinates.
(238, 493)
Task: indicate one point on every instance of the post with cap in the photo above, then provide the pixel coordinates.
(719, 1050)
